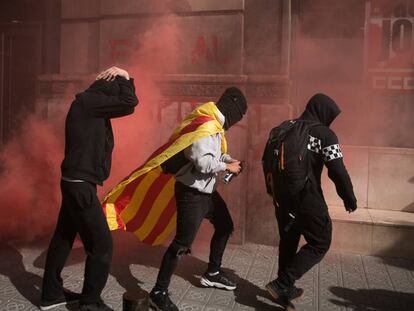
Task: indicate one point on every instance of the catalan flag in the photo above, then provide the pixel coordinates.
(144, 201)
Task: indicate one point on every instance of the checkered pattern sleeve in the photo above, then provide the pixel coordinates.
(331, 152)
(314, 144)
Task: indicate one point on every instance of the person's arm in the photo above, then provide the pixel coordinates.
(332, 156)
(101, 105)
(202, 154)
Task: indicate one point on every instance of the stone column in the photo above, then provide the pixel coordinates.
(267, 50)
(79, 36)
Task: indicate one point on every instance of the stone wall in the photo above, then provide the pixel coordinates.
(383, 178)
(224, 43)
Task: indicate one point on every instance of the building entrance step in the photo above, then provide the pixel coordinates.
(373, 232)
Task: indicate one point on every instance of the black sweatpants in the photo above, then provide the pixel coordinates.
(316, 229)
(81, 212)
(192, 207)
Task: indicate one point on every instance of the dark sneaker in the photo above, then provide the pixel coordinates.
(295, 292)
(218, 280)
(98, 306)
(160, 301)
(277, 291)
(65, 299)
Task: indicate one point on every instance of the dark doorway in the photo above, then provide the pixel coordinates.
(20, 63)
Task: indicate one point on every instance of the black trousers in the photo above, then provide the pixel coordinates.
(317, 231)
(81, 212)
(192, 207)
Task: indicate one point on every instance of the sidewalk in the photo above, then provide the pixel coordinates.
(339, 282)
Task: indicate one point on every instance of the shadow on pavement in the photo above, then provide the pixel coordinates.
(251, 295)
(401, 263)
(128, 252)
(372, 299)
(26, 283)
(76, 256)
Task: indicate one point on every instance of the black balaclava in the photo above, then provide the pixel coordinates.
(233, 105)
(321, 108)
(109, 88)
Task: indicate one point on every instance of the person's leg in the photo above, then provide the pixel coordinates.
(289, 233)
(96, 239)
(220, 217)
(59, 249)
(288, 240)
(317, 230)
(191, 209)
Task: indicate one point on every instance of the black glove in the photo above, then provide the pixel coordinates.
(351, 207)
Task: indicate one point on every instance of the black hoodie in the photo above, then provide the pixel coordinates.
(326, 150)
(88, 133)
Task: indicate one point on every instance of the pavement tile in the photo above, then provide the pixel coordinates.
(341, 282)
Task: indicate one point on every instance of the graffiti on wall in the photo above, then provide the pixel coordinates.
(203, 48)
(207, 48)
(390, 45)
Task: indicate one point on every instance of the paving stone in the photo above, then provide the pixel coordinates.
(329, 275)
(185, 305)
(222, 299)
(341, 282)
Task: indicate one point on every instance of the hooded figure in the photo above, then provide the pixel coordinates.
(87, 163)
(88, 121)
(233, 105)
(321, 108)
(312, 217)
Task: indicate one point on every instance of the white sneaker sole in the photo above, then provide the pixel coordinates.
(207, 283)
(63, 303)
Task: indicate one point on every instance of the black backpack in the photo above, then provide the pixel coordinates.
(286, 158)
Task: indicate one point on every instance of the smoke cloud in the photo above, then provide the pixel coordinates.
(366, 66)
(29, 183)
(329, 56)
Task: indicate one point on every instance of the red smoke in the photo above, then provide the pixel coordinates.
(29, 183)
(328, 57)
(337, 52)
(138, 135)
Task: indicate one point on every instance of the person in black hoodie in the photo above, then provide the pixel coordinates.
(88, 149)
(312, 216)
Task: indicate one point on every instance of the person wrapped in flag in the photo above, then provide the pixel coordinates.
(176, 188)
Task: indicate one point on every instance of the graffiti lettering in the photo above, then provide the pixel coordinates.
(393, 83)
(209, 52)
(397, 36)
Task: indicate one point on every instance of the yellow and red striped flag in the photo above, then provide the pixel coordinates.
(144, 202)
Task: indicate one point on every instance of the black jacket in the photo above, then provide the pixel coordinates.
(325, 150)
(88, 133)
